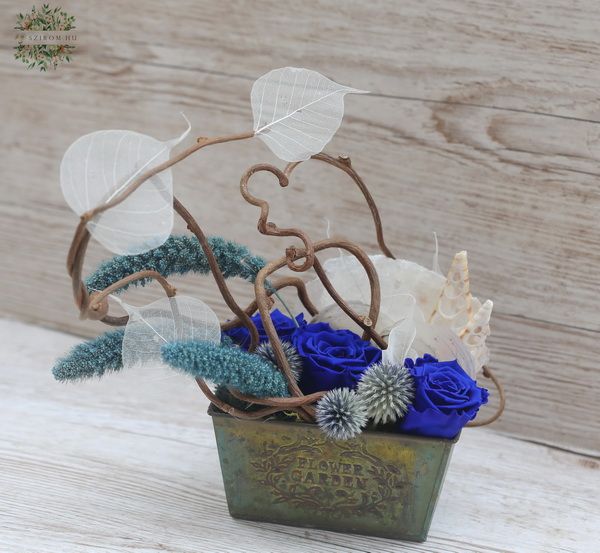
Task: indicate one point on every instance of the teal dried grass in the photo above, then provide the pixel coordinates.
(178, 255)
(91, 358)
(229, 366)
(225, 365)
(220, 364)
(341, 414)
(387, 390)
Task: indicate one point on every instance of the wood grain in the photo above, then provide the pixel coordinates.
(482, 126)
(129, 463)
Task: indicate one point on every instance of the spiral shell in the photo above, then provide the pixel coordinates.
(455, 303)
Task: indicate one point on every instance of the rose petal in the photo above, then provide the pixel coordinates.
(332, 358)
(446, 398)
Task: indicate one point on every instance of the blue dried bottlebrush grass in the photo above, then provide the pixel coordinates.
(223, 364)
(91, 358)
(230, 366)
(265, 350)
(387, 390)
(341, 414)
(178, 255)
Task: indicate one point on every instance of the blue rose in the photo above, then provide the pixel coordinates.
(332, 358)
(283, 325)
(446, 398)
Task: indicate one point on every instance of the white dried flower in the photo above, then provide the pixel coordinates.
(341, 414)
(295, 361)
(387, 390)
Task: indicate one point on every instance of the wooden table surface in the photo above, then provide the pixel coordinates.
(129, 463)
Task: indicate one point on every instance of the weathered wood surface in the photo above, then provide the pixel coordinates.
(482, 126)
(129, 463)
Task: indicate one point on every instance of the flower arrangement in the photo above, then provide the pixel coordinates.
(382, 344)
(421, 396)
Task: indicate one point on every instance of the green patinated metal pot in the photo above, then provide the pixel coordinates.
(379, 483)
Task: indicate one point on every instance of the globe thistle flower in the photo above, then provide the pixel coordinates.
(387, 390)
(265, 350)
(341, 414)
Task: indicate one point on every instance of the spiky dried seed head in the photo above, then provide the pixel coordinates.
(291, 353)
(387, 390)
(341, 414)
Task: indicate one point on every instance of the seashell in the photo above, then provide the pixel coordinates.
(476, 332)
(454, 305)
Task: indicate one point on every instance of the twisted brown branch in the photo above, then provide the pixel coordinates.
(233, 411)
(271, 229)
(280, 284)
(263, 305)
(487, 372)
(366, 323)
(98, 305)
(136, 183)
(95, 306)
(81, 240)
(283, 402)
(194, 227)
(344, 163)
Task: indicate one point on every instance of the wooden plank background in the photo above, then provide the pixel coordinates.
(482, 126)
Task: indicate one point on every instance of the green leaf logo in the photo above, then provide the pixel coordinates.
(44, 37)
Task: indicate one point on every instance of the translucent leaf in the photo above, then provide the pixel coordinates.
(399, 280)
(400, 340)
(99, 165)
(443, 343)
(338, 319)
(297, 111)
(180, 318)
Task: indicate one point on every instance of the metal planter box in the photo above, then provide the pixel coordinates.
(380, 483)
